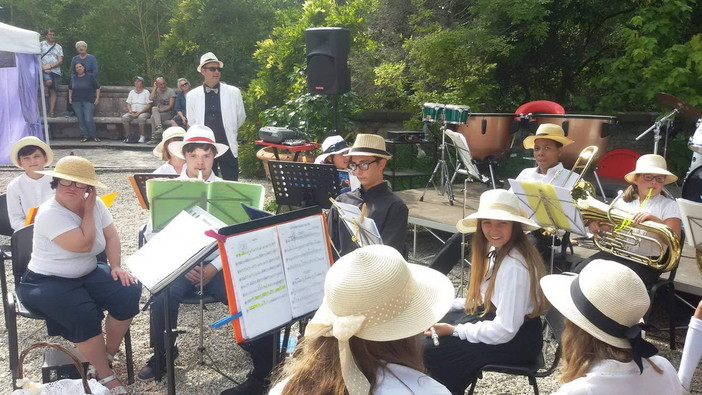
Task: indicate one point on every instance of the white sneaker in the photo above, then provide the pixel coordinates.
(141, 139)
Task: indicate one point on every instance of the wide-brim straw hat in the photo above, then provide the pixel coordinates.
(332, 145)
(497, 204)
(613, 289)
(171, 132)
(30, 140)
(197, 134)
(75, 168)
(369, 145)
(397, 299)
(549, 131)
(651, 164)
(208, 58)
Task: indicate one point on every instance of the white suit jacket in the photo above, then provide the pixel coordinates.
(233, 113)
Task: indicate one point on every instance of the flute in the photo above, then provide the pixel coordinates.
(199, 175)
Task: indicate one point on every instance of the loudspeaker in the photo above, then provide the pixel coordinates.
(327, 60)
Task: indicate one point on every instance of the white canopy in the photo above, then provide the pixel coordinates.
(14, 39)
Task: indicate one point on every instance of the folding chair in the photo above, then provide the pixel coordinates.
(5, 251)
(464, 163)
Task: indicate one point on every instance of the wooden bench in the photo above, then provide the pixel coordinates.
(108, 115)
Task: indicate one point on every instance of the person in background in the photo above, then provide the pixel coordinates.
(30, 189)
(220, 107)
(333, 150)
(84, 95)
(89, 61)
(179, 119)
(368, 159)
(64, 280)
(138, 107)
(603, 349)
(51, 59)
(499, 320)
(363, 339)
(173, 164)
(163, 99)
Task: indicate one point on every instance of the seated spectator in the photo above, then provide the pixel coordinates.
(174, 164)
(30, 189)
(179, 118)
(138, 107)
(65, 282)
(163, 100)
(603, 348)
(333, 150)
(363, 339)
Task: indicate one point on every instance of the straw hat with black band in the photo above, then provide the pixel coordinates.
(496, 204)
(651, 164)
(197, 134)
(27, 141)
(607, 300)
(374, 294)
(369, 145)
(170, 133)
(75, 168)
(549, 131)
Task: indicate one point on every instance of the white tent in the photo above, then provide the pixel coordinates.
(13, 103)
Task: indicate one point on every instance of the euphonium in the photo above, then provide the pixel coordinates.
(616, 242)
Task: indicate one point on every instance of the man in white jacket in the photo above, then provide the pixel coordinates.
(220, 107)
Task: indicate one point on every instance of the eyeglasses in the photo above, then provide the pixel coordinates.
(363, 165)
(184, 84)
(213, 69)
(67, 183)
(651, 177)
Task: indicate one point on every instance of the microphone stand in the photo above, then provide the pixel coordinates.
(656, 128)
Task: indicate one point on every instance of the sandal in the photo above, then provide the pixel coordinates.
(95, 139)
(83, 140)
(118, 390)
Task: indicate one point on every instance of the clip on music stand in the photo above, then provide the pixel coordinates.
(297, 184)
(549, 206)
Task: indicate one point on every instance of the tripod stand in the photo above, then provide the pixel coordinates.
(441, 169)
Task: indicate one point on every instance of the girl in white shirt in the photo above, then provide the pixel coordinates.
(499, 321)
(603, 352)
(173, 164)
(31, 189)
(363, 339)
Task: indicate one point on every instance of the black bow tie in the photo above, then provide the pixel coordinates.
(208, 89)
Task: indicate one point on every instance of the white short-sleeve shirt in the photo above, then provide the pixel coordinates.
(49, 258)
(661, 207)
(138, 100)
(24, 193)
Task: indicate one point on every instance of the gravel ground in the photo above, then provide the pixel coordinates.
(221, 353)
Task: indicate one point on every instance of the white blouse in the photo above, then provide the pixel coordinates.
(555, 175)
(511, 297)
(661, 207)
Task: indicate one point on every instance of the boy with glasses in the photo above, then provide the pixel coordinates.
(368, 159)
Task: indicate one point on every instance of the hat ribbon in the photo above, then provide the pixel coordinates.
(336, 147)
(342, 328)
(196, 139)
(640, 348)
(501, 206)
(369, 150)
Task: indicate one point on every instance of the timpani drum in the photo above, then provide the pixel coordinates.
(487, 134)
(692, 187)
(456, 114)
(584, 130)
(433, 112)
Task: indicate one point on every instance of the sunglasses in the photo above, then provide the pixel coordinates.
(363, 165)
(651, 177)
(213, 69)
(67, 183)
(183, 84)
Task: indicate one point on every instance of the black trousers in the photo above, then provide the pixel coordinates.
(455, 363)
(227, 166)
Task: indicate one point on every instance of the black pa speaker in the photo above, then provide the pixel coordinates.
(327, 60)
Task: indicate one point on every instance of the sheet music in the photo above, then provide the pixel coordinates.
(549, 205)
(257, 273)
(306, 260)
(692, 221)
(368, 231)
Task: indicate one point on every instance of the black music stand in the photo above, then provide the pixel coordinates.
(297, 184)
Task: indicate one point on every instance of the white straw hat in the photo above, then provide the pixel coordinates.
(497, 204)
(606, 300)
(549, 131)
(651, 164)
(30, 140)
(197, 134)
(374, 294)
(75, 168)
(369, 145)
(171, 132)
(208, 58)
(332, 145)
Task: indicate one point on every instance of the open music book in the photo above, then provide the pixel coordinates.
(363, 229)
(274, 269)
(175, 249)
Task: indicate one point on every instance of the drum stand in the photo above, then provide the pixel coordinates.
(656, 127)
(441, 168)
